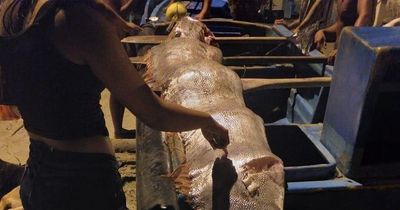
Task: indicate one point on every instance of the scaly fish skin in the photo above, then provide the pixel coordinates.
(189, 72)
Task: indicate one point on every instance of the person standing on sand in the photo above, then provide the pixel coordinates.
(60, 54)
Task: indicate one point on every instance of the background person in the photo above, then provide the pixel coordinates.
(393, 23)
(246, 10)
(356, 13)
(63, 53)
(312, 16)
(386, 12)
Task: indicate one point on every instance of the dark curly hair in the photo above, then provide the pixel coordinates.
(14, 15)
(13, 21)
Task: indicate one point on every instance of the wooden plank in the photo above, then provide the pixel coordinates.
(138, 60)
(124, 145)
(250, 40)
(154, 187)
(268, 60)
(158, 39)
(249, 68)
(236, 22)
(260, 84)
(153, 39)
(225, 21)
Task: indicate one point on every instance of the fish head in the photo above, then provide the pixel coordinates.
(188, 27)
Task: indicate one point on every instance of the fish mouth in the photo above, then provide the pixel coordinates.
(188, 27)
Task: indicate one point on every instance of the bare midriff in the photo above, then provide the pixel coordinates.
(95, 144)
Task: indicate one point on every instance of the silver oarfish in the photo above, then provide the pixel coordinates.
(187, 70)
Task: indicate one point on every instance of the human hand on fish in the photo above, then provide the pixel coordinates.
(216, 135)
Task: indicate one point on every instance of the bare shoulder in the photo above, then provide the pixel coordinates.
(78, 29)
(82, 18)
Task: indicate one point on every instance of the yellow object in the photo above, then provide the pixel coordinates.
(175, 11)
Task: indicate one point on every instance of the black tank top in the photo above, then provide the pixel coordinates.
(57, 98)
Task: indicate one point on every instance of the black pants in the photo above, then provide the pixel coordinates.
(57, 180)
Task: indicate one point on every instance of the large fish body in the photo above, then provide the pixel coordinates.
(188, 71)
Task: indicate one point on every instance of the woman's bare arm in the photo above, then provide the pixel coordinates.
(320, 36)
(294, 24)
(364, 10)
(309, 14)
(204, 10)
(85, 36)
(393, 23)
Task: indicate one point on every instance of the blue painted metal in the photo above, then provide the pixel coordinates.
(148, 9)
(304, 157)
(308, 105)
(158, 10)
(338, 195)
(363, 107)
(283, 31)
(214, 4)
(310, 186)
